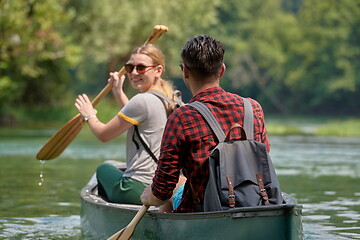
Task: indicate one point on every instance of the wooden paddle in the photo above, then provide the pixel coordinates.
(127, 232)
(62, 138)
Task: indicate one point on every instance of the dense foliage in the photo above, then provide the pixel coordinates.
(299, 56)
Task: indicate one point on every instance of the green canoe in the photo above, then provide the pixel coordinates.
(101, 219)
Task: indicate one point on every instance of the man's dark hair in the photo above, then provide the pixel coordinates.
(203, 54)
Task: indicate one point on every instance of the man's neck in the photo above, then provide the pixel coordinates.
(203, 87)
(212, 81)
(197, 89)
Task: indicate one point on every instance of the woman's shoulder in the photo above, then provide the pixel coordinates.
(137, 103)
(144, 102)
(143, 96)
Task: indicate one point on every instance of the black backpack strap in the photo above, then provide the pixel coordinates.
(144, 144)
(210, 119)
(248, 119)
(163, 98)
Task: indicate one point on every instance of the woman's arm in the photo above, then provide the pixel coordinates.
(117, 89)
(104, 132)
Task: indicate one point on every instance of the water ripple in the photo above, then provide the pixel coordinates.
(41, 228)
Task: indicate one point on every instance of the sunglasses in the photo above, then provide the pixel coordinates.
(139, 68)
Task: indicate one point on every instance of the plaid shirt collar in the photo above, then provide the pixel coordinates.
(205, 94)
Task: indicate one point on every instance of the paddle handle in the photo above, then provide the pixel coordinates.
(158, 30)
(106, 89)
(138, 216)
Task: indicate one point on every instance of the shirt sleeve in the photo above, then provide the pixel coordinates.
(259, 125)
(136, 110)
(168, 170)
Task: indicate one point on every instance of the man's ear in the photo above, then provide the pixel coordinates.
(186, 72)
(223, 69)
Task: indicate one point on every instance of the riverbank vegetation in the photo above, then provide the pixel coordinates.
(314, 126)
(55, 118)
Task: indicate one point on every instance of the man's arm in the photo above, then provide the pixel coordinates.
(148, 198)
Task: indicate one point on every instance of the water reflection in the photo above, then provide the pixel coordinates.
(321, 172)
(316, 156)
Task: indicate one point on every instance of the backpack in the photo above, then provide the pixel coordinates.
(174, 104)
(241, 173)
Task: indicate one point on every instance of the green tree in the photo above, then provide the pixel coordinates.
(324, 67)
(258, 35)
(108, 30)
(32, 53)
(301, 60)
(282, 53)
(47, 43)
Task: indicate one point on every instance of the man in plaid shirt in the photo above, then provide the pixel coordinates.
(188, 140)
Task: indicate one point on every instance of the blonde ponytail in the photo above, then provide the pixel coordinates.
(168, 89)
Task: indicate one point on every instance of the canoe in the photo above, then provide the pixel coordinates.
(101, 219)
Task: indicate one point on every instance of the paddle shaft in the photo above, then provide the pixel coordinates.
(127, 232)
(62, 138)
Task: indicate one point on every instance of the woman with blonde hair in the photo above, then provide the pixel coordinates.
(143, 117)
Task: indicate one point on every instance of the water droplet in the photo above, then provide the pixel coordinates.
(41, 172)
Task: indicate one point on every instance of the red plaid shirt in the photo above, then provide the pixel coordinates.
(188, 141)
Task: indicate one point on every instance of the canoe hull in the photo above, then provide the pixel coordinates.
(100, 219)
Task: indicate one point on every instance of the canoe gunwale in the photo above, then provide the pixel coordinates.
(242, 212)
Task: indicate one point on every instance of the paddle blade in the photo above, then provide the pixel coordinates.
(61, 139)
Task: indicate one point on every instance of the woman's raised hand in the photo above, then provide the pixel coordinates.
(116, 82)
(117, 88)
(84, 106)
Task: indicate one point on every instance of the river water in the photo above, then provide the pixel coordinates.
(41, 200)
